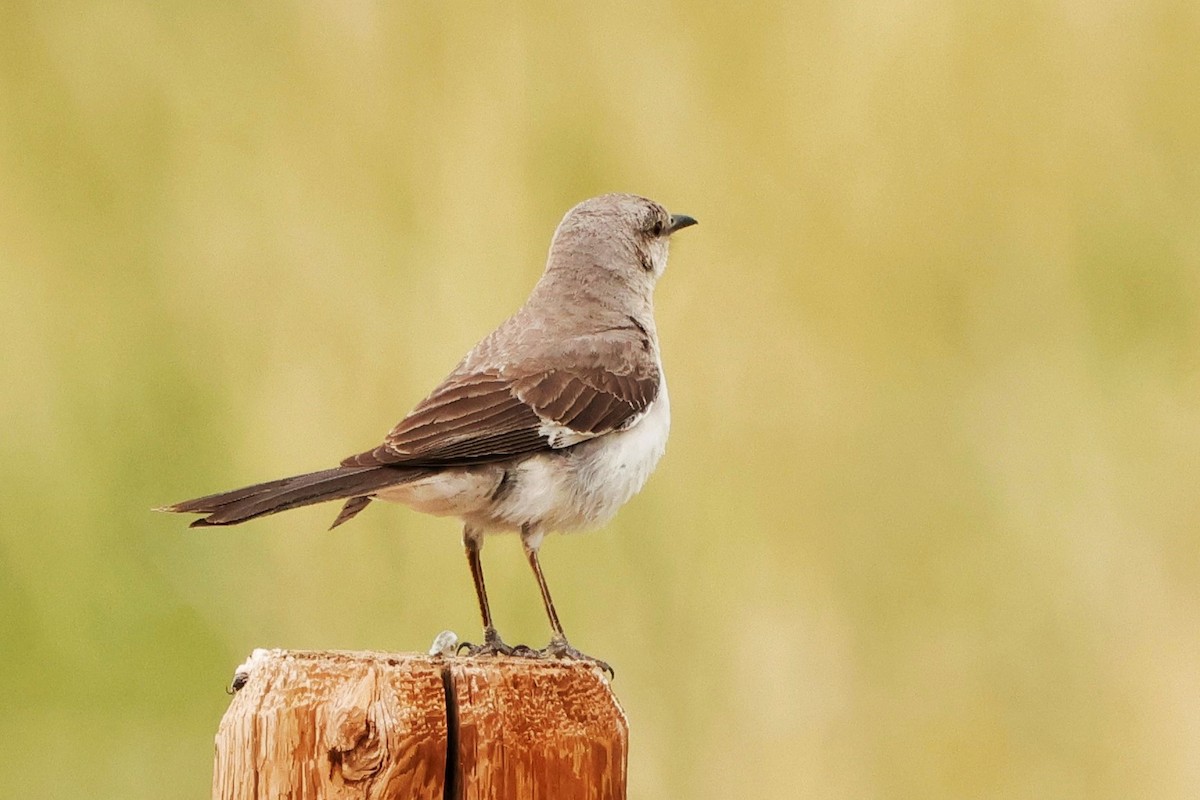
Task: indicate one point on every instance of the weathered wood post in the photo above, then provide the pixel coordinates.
(330, 724)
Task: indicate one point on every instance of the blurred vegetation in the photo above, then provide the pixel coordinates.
(927, 527)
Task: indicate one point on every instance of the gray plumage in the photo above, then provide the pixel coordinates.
(552, 422)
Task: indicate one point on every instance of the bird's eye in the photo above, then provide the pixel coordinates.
(657, 227)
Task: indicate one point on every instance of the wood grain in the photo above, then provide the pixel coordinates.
(538, 729)
(345, 725)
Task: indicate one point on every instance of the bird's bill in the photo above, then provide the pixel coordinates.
(681, 221)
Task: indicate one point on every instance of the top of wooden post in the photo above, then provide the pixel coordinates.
(335, 724)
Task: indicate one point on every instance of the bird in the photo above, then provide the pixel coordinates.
(551, 423)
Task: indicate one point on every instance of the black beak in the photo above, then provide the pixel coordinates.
(680, 221)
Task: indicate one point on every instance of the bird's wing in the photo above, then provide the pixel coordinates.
(494, 414)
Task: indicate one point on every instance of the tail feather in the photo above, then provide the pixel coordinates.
(351, 509)
(261, 499)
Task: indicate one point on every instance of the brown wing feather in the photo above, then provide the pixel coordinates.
(592, 401)
(468, 418)
(482, 417)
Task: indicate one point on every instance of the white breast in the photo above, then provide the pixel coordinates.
(586, 485)
(579, 487)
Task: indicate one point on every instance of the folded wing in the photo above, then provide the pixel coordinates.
(485, 416)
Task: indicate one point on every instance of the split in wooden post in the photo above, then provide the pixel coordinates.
(345, 725)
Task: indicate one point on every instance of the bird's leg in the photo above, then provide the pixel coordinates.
(559, 647)
(492, 643)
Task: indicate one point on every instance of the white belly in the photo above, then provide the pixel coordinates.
(585, 486)
(578, 487)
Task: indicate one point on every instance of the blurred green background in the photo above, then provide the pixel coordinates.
(927, 526)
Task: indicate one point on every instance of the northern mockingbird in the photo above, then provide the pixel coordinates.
(551, 423)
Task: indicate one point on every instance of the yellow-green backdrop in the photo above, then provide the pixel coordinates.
(927, 525)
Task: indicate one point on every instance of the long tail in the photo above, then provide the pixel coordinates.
(354, 484)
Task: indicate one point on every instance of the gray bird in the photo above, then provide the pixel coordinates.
(551, 423)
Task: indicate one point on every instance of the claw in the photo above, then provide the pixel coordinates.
(493, 645)
(525, 651)
(560, 648)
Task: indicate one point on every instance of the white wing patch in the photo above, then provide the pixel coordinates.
(560, 436)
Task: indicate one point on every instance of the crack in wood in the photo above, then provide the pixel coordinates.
(368, 726)
(453, 767)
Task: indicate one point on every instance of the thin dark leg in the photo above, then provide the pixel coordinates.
(531, 553)
(472, 544)
(492, 643)
(558, 647)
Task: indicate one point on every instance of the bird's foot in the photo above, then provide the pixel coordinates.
(493, 645)
(560, 648)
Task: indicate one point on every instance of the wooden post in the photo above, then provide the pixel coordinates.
(347, 725)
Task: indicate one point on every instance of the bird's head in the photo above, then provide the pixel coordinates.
(621, 233)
